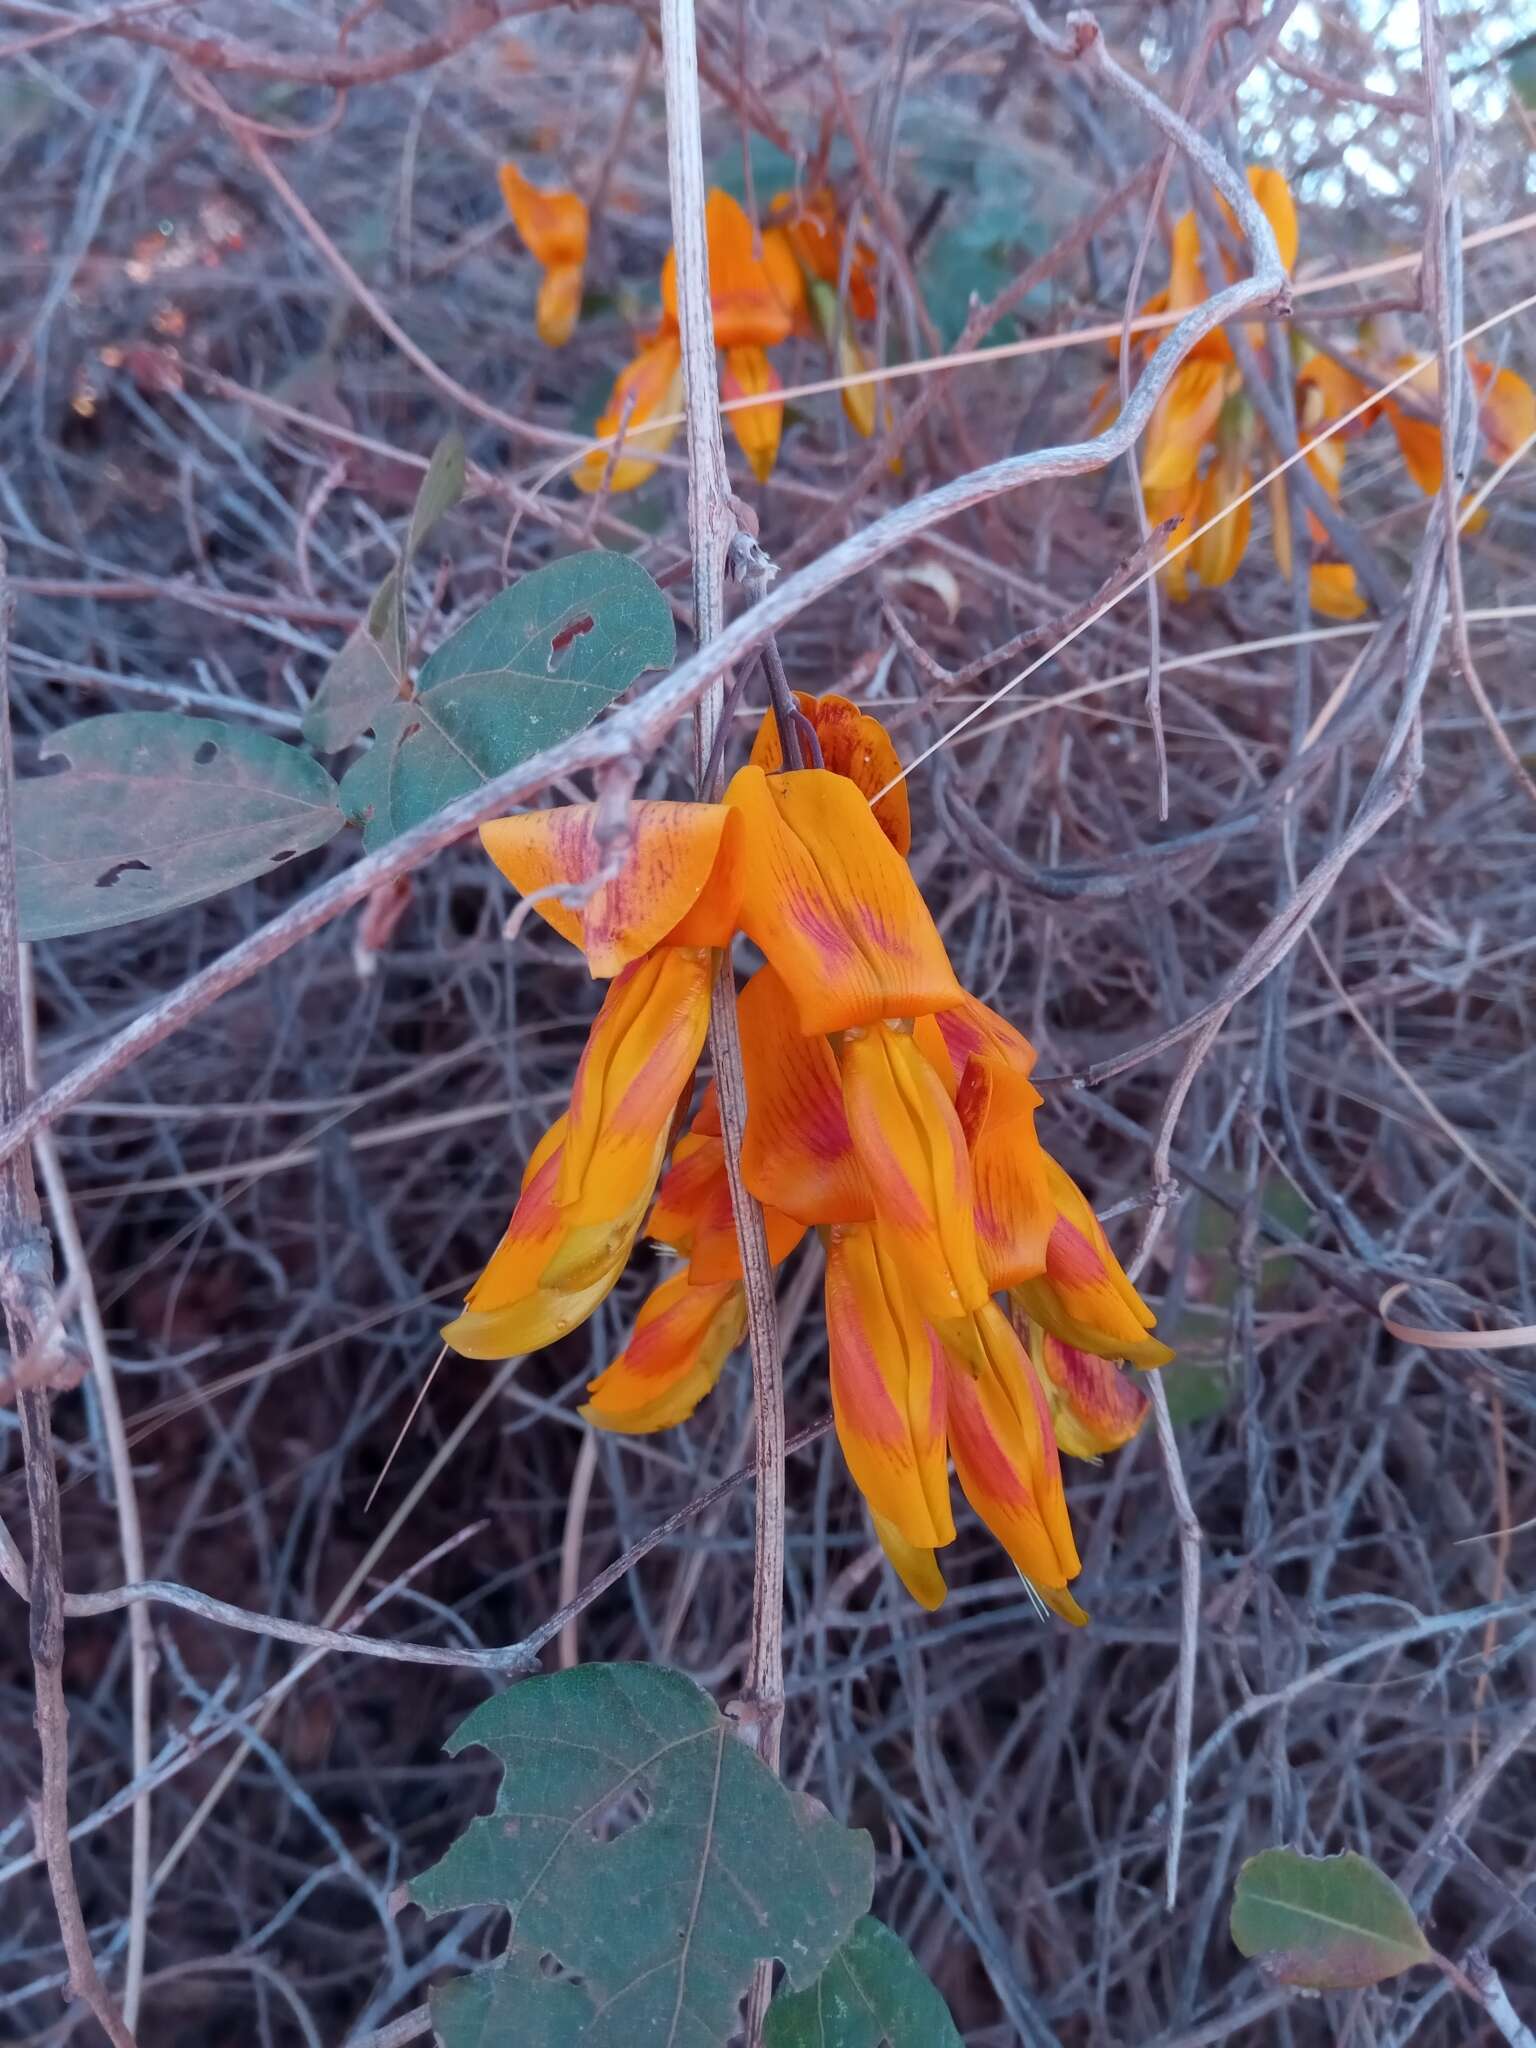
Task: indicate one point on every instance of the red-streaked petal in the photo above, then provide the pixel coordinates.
(1013, 1205)
(680, 874)
(1094, 1407)
(796, 1154)
(852, 744)
(833, 906)
(675, 1354)
(912, 1149)
(1084, 1297)
(887, 1388)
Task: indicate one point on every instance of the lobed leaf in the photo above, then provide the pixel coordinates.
(648, 1860)
(154, 810)
(1329, 1923)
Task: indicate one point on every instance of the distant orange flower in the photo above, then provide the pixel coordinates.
(553, 226)
(886, 1108)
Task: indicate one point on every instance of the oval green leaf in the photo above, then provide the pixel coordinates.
(532, 667)
(872, 1992)
(1328, 1923)
(153, 811)
(648, 1860)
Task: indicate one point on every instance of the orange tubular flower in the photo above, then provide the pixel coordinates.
(1004, 1451)
(912, 1149)
(649, 388)
(678, 884)
(887, 1388)
(816, 235)
(677, 1350)
(749, 374)
(1014, 1215)
(1093, 1407)
(796, 1153)
(580, 1213)
(1083, 1297)
(553, 226)
(833, 906)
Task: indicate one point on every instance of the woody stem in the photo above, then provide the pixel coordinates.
(712, 527)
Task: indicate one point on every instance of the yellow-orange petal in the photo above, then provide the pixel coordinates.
(970, 1030)
(786, 276)
(815, 230)
(510, 1310)
(649, 388)
(1182, 422)
(1334, 591)
(640, 1056)
(553, 225)
(1012, 1202)
(1278, 207)
(1094, 1408)
(887, 1380)
(749, 374)
(693, 1214)
(912, 1149)
(1280, 524)
(747, 307)
(1004, 1452)
(676, 1352)
(559, 304)
(833, 906)
(796, 1153)
(1506, 408)
(1216, 553)
(916, 1566)
(854, 744)
(679, 883)
(1084, 1297)
(861, 401)
(1420, 445)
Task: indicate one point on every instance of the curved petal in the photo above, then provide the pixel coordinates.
(1278, 207)
(1215, 555)
(1506, 408)
(1183, 421)
(1334, 591)
(852, 744)
(1094, 1408)
(649, 388)
(693, 1214)
(887, 1388)
(1083, 1297)
(1004, 1452)
(786, 276)
(679, 884)
(749, 374)
(1419, 442)
(676, 1352)
(559, 304)
(916, 1566)
(553, 225)
(796, 1153)
(833, 906)
(639, 1057)
(970, 1030)
(747, 307)
(1013, 1207)
(910, 1144)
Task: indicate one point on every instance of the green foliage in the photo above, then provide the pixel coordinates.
(872, 1991)
(532, 667)
(153, 811)
(1328, 1923)
(990, 225)
(648, 1861)
(370, 669)
(1197, 1383)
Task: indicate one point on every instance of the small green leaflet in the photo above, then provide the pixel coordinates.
(648, 1860)
(155, 810)
(1329, 1923)
(530, 668)
(872, 1991)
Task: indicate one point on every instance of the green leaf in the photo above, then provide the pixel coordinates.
(1329, 1923)
(386, 620)
(358, 683)
(872, 1991)
(534, 666)
(648, 1860)
(441, 489)
(153, 811)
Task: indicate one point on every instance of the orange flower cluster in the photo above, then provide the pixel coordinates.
(1204, 440)
(887, 1109)
(762, 289)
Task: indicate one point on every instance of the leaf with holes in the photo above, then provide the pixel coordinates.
(1329, 1923)
(151, 811)
(648, 1860)
(872, 1991)
(532, 667)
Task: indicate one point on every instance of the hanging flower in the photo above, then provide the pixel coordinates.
(886, 1108)
(553, 226)
(649, 388)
